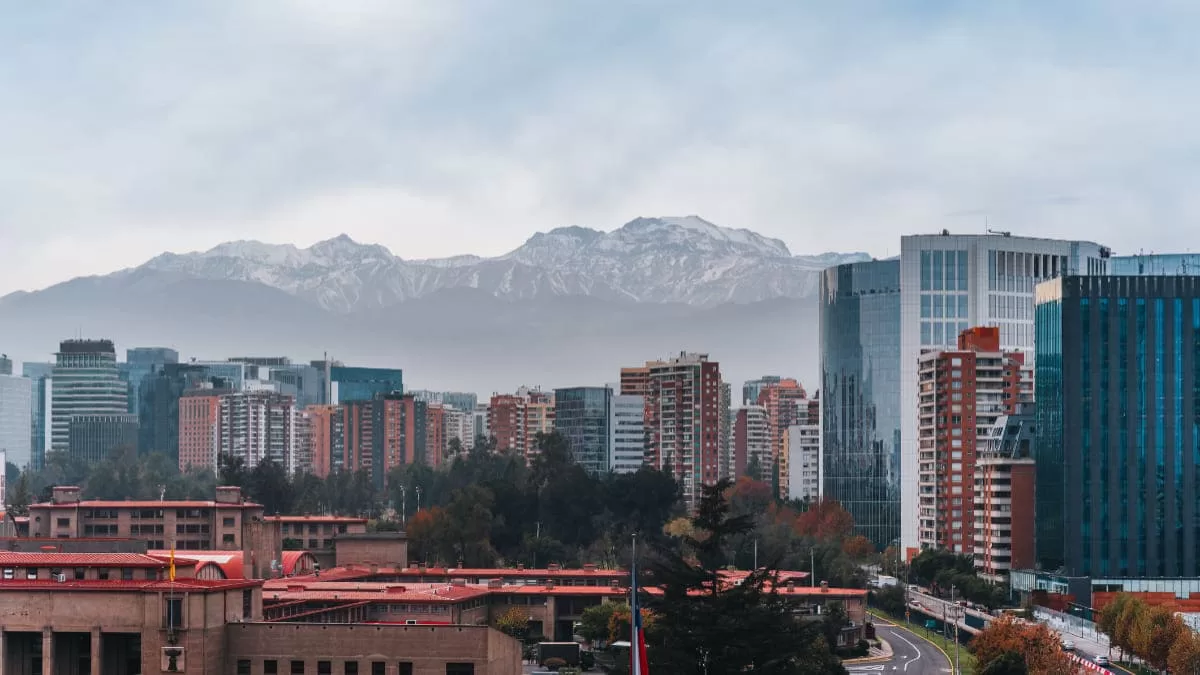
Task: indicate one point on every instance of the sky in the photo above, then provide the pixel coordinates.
(463, 126)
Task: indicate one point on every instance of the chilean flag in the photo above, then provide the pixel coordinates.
(639, 665)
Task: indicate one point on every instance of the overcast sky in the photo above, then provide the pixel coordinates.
(438, 127)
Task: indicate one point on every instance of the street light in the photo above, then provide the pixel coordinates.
(418, 490)
(955, 614)
(403, 506)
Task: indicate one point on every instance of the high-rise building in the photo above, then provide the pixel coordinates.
(363, 384)
(435, 434)
(141, 362)
(860, 390)
(6, 365)
(451, 399)
(1155, 264)
(1117, 382)
(804, 461)
(684, 421)
(199, 428)
(41, 404)
(1004, 498)
(627, 432)
(583, 415)
(515, 420)
(963, 392)
(304, 382)
(16, 411)
(86, 382)
(158, 407)
(752, 444)
(399, 434)
(258, 426)
(783, 401)
(325, 438)
(725, 436)
(480, 415)
(752, 388)
(98, 438)
(459, 426)
(949, 282)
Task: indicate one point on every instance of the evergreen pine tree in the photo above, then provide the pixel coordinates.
(708, 627)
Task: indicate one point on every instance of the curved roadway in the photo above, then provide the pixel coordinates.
(910, 654)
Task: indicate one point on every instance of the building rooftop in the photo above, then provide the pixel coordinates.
(13, 559)
(146, 504)
(117, 585)
(316, 519)
(288, 590)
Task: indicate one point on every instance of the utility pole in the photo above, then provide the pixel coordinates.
(812, 565)
(756, 555)
(403, 506)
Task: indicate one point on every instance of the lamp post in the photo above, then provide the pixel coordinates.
(418, 491)
(956, 614)
(403, 506)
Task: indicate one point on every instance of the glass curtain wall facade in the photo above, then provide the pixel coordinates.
(1118, 456)
(86, 382)
(582, 415)
(363, 384)
(860, 394)
(952, 282)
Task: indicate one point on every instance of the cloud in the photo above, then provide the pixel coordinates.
(463, 126)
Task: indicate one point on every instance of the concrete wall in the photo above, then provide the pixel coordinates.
(428, 648)
(368, 549)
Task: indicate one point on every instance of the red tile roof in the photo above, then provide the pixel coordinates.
(14, 559)
(288, 590)
(117, 585)
(292, 558)
(230, 562)
(149, 504)
(316, 519)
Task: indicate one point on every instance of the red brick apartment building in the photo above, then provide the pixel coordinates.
(785, 402)
(515, 420)
(1005, 479)
(963, 393)
(683, 418)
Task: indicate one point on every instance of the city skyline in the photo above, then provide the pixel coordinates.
(811, 124)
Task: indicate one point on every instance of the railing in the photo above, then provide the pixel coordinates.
(1073, 625)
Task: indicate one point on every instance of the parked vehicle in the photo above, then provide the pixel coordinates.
(567, 652)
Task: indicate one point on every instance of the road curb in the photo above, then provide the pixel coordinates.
(935, 645)
(873, 659)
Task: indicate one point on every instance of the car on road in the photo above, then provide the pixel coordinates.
(1068, 645)
(1102, 660)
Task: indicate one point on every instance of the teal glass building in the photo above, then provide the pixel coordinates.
(1117, 393)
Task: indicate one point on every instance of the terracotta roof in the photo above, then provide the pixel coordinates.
(292, 558)
(117, 585)
(316, 519)
(149, 504)
(278, 589)
(230, 562)
(603, 591)
(14, 559)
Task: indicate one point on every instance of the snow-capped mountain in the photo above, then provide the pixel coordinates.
(687, 260)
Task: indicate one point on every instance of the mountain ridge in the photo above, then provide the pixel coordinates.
(669, 259)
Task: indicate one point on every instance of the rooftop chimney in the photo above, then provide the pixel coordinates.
(65, 494)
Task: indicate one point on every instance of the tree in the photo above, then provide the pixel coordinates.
(706, 625)
(231, 470)
(891, 599)
(19, 497)
(754, 470)
(1008, 663)
(514, 623)
(1130, 615)
(835, 620)
(1184, 658)
(594, 622)
(1039, 647)
(1155, 632)
(825, 520)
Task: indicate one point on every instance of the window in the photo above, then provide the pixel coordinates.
(297, 668)
(324, 668)
(80, 573)
(406, 668)
(227, 522)
(31, 573)
(173, 612)
(460, 669)
(247, 604)
(64, 522)
(378, 668)
(126, 574)
(227, 539)
(9, 572)
(351, 668)
(243, 667)
(271, 667)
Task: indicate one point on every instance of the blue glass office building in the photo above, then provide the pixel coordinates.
(1118, 411)
(581, 416)
(860, 394)
(363, 384)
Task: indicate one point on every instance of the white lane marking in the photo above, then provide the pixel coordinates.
(918, 651)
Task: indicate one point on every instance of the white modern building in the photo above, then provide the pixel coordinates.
(949, 283)
(804, 461)
(258, 426)
(459, 424)
(627, 433)
(16, 411)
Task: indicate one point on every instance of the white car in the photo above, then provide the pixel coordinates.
(1102, 660)
(1068, 645)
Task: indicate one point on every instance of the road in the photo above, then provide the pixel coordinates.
(910, 654)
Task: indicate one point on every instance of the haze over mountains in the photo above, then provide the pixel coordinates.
(568, 307)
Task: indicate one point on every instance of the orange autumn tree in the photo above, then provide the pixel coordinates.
(825, 520)
(1155, 633)
(1036, 644)
(1185, 654)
